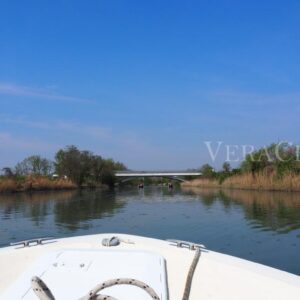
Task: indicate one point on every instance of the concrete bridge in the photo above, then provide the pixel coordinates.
(173, 175)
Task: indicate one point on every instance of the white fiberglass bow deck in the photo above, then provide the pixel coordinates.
(137, 268)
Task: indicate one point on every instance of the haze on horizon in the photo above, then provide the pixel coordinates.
(147, 82)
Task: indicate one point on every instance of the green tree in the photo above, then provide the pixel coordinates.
(226, 167)
(68, 162)
(281, 158)
(85, 168)
(34, 165)
(107, 173)
(207, 171)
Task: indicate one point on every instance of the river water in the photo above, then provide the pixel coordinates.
(259, 226)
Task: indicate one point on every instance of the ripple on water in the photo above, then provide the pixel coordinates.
(247, 224)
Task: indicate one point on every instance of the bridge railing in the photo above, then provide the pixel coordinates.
(156, 173)
(163, 171)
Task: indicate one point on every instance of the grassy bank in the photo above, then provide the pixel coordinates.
(202, 183)
(259, 181)
(34, 184)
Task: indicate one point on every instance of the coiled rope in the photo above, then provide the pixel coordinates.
(43, 292)
(92, 295)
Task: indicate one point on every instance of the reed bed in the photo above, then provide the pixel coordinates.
(264, 181)
(8, 185)
(259, 181)
(202, 183)
(34, 183)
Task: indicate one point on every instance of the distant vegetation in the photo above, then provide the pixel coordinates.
(86, 168)
(276, 167)
(71, 168)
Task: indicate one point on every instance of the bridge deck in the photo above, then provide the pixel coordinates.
(156, 174)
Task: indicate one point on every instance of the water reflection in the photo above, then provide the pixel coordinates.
(28, 215)
(84, 206)
(247, 224)
(35, 206)
(277, 211)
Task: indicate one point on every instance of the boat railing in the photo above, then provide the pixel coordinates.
(32, 242)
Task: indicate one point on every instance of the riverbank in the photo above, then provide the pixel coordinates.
(247, 181)
(11, 185)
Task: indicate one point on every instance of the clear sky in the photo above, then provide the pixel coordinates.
(147, 82)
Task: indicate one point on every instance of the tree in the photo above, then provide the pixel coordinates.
(34, 165)
(8, 172)
(68, 163)
(118, 166)
(83, 167)
(207, 171)
(280, 157)
(97, 167)
(226, 167)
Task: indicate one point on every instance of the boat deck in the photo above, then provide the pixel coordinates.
(217, 276)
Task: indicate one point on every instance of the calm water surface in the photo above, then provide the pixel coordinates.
(260, 226)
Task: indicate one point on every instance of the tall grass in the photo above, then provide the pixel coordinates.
(264, 181)
(8, 185)
(202, 182)
(34, 183)
(259, 181)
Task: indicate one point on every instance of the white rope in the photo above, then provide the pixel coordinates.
(189, 279)
(43, 292)
(127, 281)
(41, 289)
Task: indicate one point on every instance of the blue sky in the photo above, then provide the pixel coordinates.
(147, 82)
